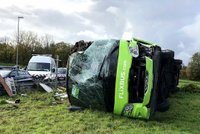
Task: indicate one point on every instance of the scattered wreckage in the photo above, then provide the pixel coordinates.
(13, 80)
(133, 77)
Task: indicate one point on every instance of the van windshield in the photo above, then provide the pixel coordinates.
(34, 66)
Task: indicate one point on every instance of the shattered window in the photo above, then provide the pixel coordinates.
(84, 68)
(86, 65)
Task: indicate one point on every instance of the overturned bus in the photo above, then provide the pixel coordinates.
(132, 78)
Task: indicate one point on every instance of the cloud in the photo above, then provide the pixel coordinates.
(92, 35)
(184, 55)
(181, 45)
(64, 6)
(173, 25)
(113, 10)
(127, 35)
(192, 31)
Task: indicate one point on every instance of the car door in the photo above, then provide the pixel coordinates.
(14, 75)
(21, 75)
(26, 79)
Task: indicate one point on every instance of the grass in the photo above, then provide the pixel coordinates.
(6, 64)
(185, 82)
(37, 113)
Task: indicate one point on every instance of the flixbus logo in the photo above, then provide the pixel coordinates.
(122, 80)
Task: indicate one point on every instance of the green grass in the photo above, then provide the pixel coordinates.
(185, 82)
(7, 64)
(37, 113)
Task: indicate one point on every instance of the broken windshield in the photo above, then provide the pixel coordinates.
(87, 65)
(83, 74)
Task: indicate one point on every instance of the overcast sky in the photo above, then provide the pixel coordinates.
(172, 24)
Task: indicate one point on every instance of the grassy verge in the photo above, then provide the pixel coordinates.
(6, 64)
(37, 113)
(185, 82)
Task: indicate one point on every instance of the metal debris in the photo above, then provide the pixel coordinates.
(46, 88)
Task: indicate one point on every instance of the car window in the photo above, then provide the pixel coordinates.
(21, 73)
(4, 73)
(13, 73)
(62, 70)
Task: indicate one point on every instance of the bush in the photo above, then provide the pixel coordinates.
(193, 70)
(183, 73)
(191, 88)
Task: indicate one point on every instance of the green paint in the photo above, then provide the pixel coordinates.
(133, 43)
(145, 43)
(149, 69)
(122, 77)
(135, 110)
(140, 111)
(75, 91)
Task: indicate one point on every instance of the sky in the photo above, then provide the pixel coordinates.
(171, 24)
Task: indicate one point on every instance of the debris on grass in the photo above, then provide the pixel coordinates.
(75, 108)
(13, 102)
(5, 86)
(60, 95)
(11, 84)
(24, 95)
(46, 88)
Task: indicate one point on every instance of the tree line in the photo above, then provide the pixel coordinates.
(192, 71)
(30, 43)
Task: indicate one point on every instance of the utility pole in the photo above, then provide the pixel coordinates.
(17, 55)
(57, 60)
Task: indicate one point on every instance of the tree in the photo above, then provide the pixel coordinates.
(63, 50)
(31, 43)
(7, 53)
(27, 43)
(193, 70)
(183, 72)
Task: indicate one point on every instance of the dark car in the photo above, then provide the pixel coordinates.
(21, 77)
(62, 74)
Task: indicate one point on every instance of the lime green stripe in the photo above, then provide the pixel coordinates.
(122, 77)
(145, 43)
(149, 69)
(140, 111)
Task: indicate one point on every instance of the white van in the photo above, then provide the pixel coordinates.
(42, 66)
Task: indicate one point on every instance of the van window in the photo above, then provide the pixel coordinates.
(34, 66)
